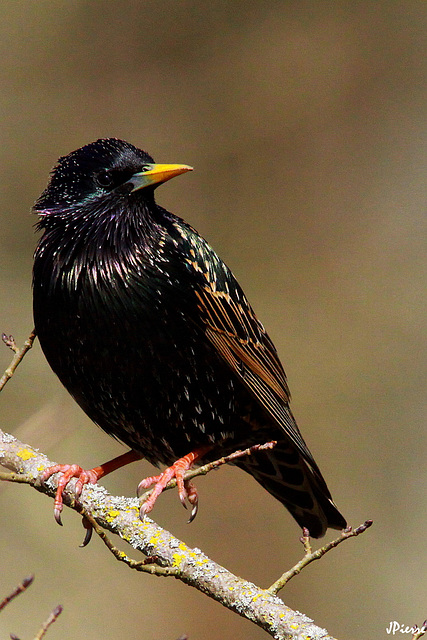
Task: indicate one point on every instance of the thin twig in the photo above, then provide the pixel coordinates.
(16, 477)
(310, 556)
(19, 589)
(51, 619)
(9, 341)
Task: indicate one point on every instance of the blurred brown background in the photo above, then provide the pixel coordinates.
(304, 122)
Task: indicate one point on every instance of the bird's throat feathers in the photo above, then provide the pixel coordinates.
(102, 242)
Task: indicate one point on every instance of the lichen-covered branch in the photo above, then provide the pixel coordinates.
(121, 516)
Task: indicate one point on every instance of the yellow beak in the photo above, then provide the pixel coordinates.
(156, 174)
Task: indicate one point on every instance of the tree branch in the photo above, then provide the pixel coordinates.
(121, 516)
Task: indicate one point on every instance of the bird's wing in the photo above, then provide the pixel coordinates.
(232, 327)
(234, 331)
(242, 341)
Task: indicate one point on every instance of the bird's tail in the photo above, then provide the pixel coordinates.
(298, 484)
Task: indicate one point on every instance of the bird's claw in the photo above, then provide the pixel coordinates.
(57, 514)
(193, 499)
(68, 472)
(186, 490)
(89, 529)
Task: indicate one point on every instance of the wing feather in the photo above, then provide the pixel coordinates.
(253, 358)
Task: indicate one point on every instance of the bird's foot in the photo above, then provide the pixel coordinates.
(83, 476)
(69, 471)
(186, 490)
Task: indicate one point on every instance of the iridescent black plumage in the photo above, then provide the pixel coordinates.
(152, 335)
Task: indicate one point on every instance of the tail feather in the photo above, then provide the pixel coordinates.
(297, 484)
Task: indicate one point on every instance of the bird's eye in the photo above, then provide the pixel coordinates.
(105, 178)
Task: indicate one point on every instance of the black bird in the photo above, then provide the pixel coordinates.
(152, 335)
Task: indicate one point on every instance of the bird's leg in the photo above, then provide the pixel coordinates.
(83, 476)
(186, 490)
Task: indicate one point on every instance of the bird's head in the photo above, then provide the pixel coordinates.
(101, 172)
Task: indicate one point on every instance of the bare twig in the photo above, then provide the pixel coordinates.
(51, 619)
(16, 477)
(310, 556)
(19, 589)
(9, 341)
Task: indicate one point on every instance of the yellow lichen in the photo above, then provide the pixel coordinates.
(111, 515)
(154, 539)
(177, 559)
(25, 454)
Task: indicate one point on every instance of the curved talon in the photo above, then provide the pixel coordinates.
(89, 529)
(87, 538)
(193, 514)
(192, 498)
(142, 513)
(57, 514)
(146, 484)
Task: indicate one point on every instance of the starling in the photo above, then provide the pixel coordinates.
(151, 334)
